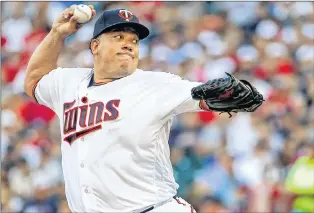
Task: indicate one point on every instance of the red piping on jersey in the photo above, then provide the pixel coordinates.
(179, 202)
(192, 209)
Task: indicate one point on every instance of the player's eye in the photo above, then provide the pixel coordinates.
(118, 37)
(135, 41)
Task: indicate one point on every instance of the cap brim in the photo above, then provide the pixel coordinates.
(142, 31)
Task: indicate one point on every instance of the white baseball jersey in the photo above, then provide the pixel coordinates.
(115, 152)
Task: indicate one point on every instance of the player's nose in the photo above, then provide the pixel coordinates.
(127, 47)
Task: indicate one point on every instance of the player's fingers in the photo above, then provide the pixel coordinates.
(65, 13)
(68, 13)
(73, 6)
(91, 6)
(74, 22)
(93, 13)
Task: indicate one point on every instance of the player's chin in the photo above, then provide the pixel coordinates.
(128, 65)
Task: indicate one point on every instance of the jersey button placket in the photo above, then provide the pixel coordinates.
(82, 158)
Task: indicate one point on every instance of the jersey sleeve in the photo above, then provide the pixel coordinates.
(47, 91)
(176, 96)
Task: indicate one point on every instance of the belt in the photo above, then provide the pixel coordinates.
(149, 208)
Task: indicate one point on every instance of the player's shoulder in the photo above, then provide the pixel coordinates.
(74, 70)
(157, 75)
(72, 73)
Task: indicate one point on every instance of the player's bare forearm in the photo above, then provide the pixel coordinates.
(43, 60)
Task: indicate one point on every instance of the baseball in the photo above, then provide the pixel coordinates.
(83, 13)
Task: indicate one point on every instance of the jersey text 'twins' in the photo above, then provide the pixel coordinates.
(88, 116)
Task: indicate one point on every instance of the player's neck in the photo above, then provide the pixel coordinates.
(103, 78)
(103, 81)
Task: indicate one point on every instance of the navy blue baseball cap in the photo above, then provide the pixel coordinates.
(119, 18)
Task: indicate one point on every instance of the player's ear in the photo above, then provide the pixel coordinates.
(94, 46)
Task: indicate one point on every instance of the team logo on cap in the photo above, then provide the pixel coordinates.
(126, 15)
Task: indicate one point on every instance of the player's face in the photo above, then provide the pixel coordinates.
(118, 52)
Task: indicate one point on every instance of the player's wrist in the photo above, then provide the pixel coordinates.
(56, 34)
(203, 105)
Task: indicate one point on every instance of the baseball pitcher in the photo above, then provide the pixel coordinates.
(115, 118)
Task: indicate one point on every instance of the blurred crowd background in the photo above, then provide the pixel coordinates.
(222, 164)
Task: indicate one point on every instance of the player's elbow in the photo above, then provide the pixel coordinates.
(30, 82)
(27, 88)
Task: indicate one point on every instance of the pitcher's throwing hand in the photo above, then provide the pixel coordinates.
(67, 24)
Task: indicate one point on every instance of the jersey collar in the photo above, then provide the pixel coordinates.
(93, 83)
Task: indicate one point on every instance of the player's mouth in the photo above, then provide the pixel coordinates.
(126, 54)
